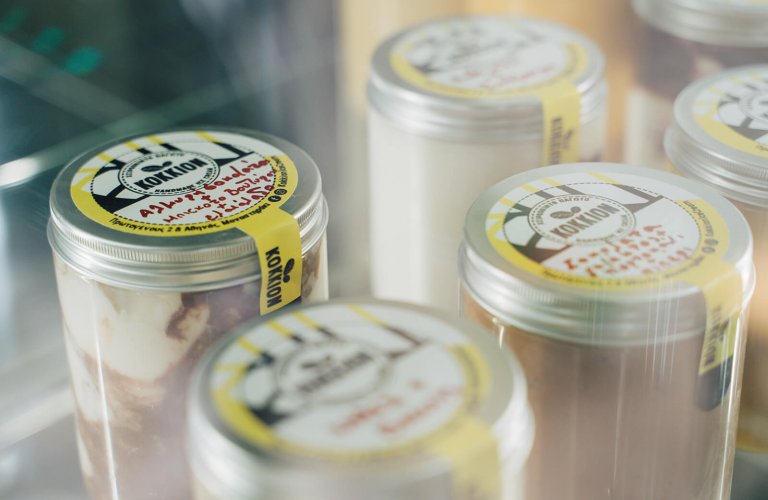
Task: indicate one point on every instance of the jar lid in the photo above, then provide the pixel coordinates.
(739, 23)
(486, 78)
(358, 396)
(720, 133)
(186, 209)
(607, 254)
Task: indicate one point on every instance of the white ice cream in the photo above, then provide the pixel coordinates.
(421, 189)
(126, 329)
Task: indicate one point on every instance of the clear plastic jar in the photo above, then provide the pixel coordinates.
(362, 399)
(719, 136)
(684, 40)
(455, 106)
(155, 242)
(361, 27)
(622, 291)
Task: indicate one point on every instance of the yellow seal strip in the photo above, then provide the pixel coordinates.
(467, 443)
(471, 450)
(723, 291)
(276, 234)
(561, 115)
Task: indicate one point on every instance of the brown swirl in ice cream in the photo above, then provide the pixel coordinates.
(131, 356)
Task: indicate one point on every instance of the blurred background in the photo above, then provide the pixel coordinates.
(77, 73)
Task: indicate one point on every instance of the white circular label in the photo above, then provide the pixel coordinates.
(486, 55)
(595, 225)
(182, 181)
(346, 379)
(734, 110)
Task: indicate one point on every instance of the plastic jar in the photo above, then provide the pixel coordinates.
(155, 242)
(683, 41)
(455, 106)
(622, 291)
(362, 399)
(719, 136)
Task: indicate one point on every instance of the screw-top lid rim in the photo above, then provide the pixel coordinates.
(489, 119)
(186, 263)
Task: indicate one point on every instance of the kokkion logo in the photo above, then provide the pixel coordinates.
(277, 274)
(578, 219)
(581, 221)
(167, 171)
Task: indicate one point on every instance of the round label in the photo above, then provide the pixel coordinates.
(184, 182)
(734, 110)
(347, 381)
(480, 57)
(596, 229)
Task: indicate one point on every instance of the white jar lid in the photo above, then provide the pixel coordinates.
(484, 77)
(175, 209)
(736, 23)
(362, 396)
(606, 254)
(719, 135)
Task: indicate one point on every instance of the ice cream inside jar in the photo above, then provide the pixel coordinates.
(162, 243)
(450, 102)
(622, 291)
(720, 137)
(363, 399)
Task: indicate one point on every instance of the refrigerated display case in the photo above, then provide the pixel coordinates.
(80, 73)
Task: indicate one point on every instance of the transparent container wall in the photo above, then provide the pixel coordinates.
(420, 190)
(753, 416)
(620, 421)
(131, 354)
(33, 370)
(665, 65)
(362, 26)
